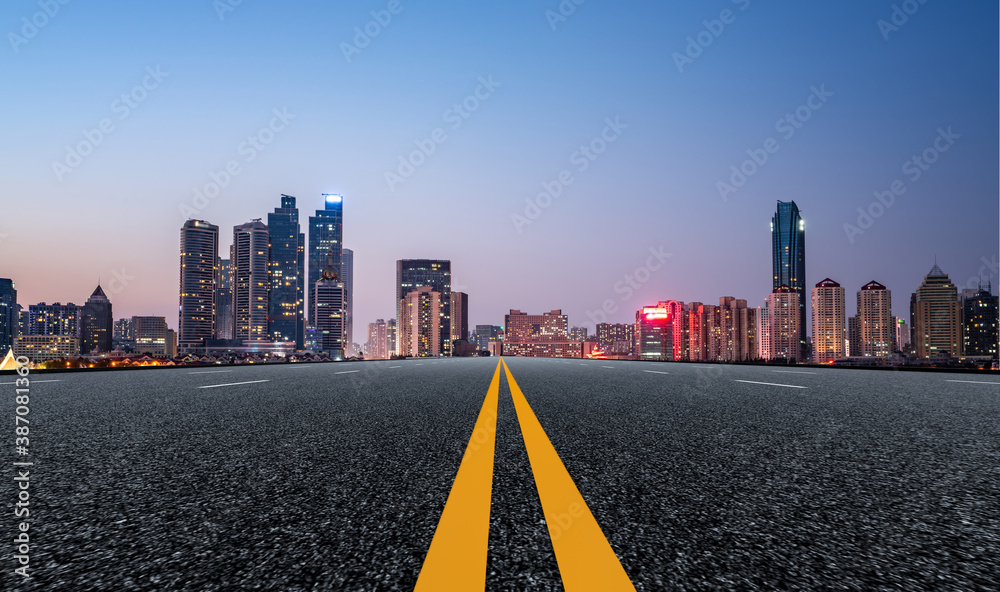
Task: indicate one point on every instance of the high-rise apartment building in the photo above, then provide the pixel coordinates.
(326, 236)
(414, 273)
(788, 256)
(54, 319)
(459, 316)
(937, 316)
(391, 343)
(785, 331)
(248, 257)
(875, 324)
(377, 347)
(224, 301)
(485, 334)
(96, 324)
(979, 317)
(199, 284)
(8, 316)
(828, 321)
(615, 338)
(419, 323)
(286, 274)
(328, 300)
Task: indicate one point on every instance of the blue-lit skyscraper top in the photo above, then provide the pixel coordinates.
(788, 255)
(326, 234)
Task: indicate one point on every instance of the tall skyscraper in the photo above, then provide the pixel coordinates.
(828, 321)
(250, 281)
(96, 324)
(391, 343)
(785, 332)
(326, 233)
(199, 284)
(979, 317)
(420, 323)
(937, 316)
(414, 273)
(328, 301)
(902, 335)
(764, 331)
(347, 276)
(788, 256)
(8, 316)
(459, 316)
(224, 301)
(875, 325)
(286, 272)
(124, 336)
(654, 333)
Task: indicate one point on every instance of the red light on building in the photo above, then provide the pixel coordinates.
(653, 313)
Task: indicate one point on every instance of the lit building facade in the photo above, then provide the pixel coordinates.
(615, 338)
(224, 301)
(377, 347)
(785, 333)
(96, 324)
(326, 235)
(286, 275)
(937, 316)
(654, 333)
(54, 319)
(347, 276)
(788, 256)
(435, 273)
(42, 348)
(248, 257)
(420, 323)
(979, 317)
(329, 308)
(459, 314)
(828, 321)
(151, 336)
(875, 325)
(199, 283)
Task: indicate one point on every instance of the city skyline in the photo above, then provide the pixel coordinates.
(868, 143)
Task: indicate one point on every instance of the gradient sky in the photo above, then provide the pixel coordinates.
(654, 187)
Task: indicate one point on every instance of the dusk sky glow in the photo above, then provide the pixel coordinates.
(873, 99)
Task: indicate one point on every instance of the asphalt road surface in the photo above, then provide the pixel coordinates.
(335, 476)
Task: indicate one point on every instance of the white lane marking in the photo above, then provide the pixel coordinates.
(33, 381)
(418, 364)
(655, 372)
(233, 384)
(791, 372)
(773, 384)
(210, 372)
(612, 367)
(391, 367)
(972, 381)
(347, 372)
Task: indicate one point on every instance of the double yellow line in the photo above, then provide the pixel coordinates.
(456, 560)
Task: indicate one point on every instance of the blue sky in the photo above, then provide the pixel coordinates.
(118, 213)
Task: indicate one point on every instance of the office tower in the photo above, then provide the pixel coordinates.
(8, 316)
(578, 333)
(902, 335)
(326, 235)
(22, 320)
(96, 324)
(347, 276)
(54, 319)
(286, 273)
(615, 338)
(413, 273)
(151, 335)
(199, 282)
(785, 332)
(788, 256)
(420, 323)
(328, 301)
(377, 347)
(854, 337)
(828, 319)
(937, 316)
(124, 337)
(224, 301)
(875, 325)
(979, 317)
(248, 257)
(391, 347)
(654, 333)
(485, 334)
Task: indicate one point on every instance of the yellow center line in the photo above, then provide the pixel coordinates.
(585, 557)
(456, 559)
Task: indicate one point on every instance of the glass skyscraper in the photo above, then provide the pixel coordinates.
(8, 315)
(415, 273)
(286, 271)
(326, 232)
(347, 276)
(96, 324)
(788, 257)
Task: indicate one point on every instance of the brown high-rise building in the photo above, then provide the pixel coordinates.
(459, 316)
(784, 328)
(937, 316)
(828, 320)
